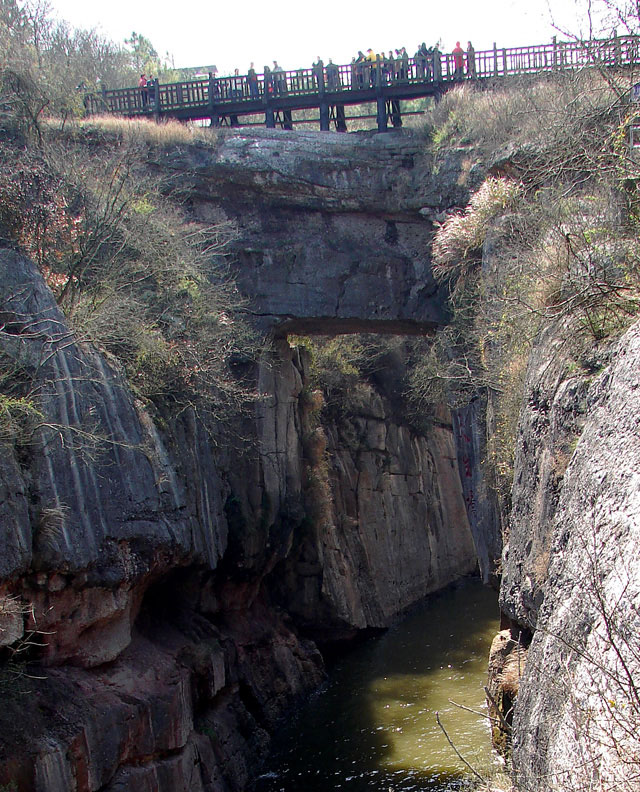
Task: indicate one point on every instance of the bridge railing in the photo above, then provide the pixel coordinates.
(193, 93)
(201, 94)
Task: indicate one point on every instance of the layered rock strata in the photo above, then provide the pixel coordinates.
(335, 231)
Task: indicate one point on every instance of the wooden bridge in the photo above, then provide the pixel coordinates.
(273, 97)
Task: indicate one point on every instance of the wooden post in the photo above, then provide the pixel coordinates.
(381, 105)
(323, 104)
(381, 114)
(324, 115)
(554, 41)
(212, 113)
(396, 115)
(504, 62)
(269, 116)
(341, 119)
(213, 110)
(495, 59)
(156, 99)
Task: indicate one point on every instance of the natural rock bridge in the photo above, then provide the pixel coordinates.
(277, 95)
(335, 231)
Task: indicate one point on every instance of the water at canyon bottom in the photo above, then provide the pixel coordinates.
(373, 727)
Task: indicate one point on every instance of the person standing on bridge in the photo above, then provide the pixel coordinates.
(144, 91)
(318, 72)
(280, 80)
(333, 76)
(369, 68)
(252, 82)
(437, 64)
(151, 90)
(419, 64)
(360, 60)
(268, 82)
(458, 62)
(471, 61)
(427, 60)
(404, 64)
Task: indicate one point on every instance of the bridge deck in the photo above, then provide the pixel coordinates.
(330, 88)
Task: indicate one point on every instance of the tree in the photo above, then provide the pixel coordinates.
(144, 58)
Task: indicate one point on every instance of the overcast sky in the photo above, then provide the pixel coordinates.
(232, 34)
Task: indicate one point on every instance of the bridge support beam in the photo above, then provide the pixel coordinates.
(269, 117)
(381, 114)
(341, 120)
(394, 113)
(324, 116)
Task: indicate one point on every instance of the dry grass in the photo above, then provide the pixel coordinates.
(146, 130)
(12, 612)
(461, 237)
(520, 111)
(509, 678)
(318, 495)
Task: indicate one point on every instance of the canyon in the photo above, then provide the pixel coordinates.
(180, 575)
(184, 575)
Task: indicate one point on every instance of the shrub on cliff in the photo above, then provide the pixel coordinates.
(554, 239)
(459, 240)
(545, 130)
(130, 271)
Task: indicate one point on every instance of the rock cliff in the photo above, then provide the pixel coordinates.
(171, 573)
(571, 570)
(110, 537)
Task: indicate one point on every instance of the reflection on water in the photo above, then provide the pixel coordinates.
(373, 727)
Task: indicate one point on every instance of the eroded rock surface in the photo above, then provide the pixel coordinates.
(576, 581)
(392, 528)
(550, 423)
(155, 673)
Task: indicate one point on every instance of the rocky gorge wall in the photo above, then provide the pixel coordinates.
(571, 569)
(173, 575)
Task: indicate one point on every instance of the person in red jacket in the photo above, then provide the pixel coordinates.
(458, 61)
(144, 91)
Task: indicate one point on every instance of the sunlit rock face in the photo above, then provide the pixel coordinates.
(111, 536)
(94, 498)
(393, 526)
(550, 423)
(571, 570)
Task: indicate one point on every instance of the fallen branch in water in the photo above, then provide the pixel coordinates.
(474, 712)
(458, 754)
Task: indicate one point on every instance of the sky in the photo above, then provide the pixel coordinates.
(234, 33)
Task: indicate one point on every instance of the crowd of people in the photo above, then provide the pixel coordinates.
(425, 65)
(365, 70)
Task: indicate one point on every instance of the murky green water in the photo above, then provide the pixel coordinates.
(374, 727)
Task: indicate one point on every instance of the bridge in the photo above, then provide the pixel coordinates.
(273, 98)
